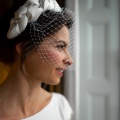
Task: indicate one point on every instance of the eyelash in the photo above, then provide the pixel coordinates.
(61, 46)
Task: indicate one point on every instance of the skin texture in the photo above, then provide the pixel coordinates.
(55, 57)
(18, 99)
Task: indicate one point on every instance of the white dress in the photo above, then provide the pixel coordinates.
(57, 109)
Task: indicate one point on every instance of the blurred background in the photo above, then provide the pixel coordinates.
(93, 88)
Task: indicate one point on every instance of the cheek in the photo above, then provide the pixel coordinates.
(32, 65)
(52, 57)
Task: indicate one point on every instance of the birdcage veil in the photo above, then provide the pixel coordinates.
(45, 19)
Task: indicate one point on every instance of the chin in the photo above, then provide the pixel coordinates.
(54, 82)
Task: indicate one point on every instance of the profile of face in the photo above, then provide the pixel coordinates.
(50, 60)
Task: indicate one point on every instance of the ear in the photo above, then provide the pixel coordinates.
(18, 48)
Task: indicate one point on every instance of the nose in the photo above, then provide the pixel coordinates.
(68, 59)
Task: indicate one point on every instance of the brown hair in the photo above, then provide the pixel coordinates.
(7, 47)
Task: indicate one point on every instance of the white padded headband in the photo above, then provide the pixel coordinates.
(29, 12)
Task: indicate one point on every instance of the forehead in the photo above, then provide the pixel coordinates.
(62, 34)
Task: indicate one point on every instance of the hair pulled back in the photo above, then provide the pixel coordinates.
(7, 46)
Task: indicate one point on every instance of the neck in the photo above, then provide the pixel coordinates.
(16, 82)
(17, 92)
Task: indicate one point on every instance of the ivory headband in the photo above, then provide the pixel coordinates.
(29, 12)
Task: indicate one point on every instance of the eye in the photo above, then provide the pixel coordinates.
(61, 46)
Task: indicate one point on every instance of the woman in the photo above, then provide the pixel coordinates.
(35, 46)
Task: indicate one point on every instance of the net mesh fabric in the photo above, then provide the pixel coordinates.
(43, 34)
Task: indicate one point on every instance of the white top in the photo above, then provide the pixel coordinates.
(57, 109)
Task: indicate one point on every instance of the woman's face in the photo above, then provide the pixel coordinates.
(51, 59)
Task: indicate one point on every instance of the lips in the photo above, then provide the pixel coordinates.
(60, 71)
